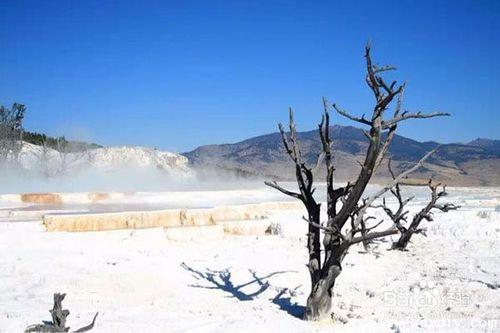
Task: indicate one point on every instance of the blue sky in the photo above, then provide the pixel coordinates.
(179, 74)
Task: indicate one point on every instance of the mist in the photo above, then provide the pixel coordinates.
(14, 179)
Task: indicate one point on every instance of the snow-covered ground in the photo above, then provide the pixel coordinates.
(141, 282)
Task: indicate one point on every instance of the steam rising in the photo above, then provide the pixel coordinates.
(123, 169)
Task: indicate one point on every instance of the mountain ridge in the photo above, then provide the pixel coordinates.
(470, 164)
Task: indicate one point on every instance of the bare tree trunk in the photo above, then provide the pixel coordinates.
(313, 244)
(403, 240)
(58, 323)
(319, 301)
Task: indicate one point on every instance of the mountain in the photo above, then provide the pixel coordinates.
(492, 146)
(476, 163)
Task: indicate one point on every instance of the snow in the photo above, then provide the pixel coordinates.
(139, 281)
(123, 168)
(140, 156)
(107, 159)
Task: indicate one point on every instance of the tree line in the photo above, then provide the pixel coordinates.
(13, 135)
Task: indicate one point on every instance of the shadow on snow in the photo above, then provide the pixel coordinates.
(222, 280)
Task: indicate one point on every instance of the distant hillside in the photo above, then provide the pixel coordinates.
(475, 163)
(493, 146)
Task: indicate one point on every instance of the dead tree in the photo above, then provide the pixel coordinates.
(46, 157)
(62, 149)
(346, 223)
(399, 217)
(11, 132)
(58, 323)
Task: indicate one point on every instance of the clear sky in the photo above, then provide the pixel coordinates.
(179, 74)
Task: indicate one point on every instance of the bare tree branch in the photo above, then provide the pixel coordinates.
(405, 115)
(392, 130)
(304, 177)
(344, 113)
(373, 235)
(368, 201)
(282, 190)
(424, 214)
(386, 68)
